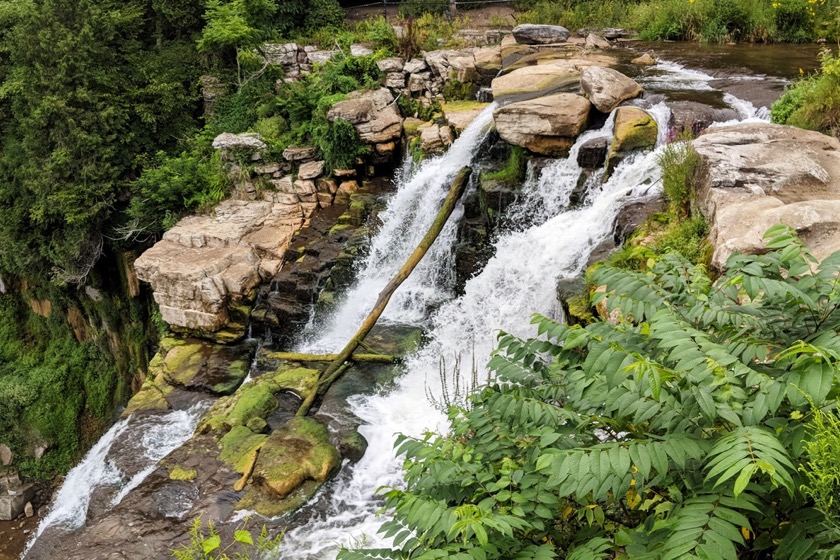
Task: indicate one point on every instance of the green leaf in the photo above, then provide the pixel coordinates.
(243, 536)
(210, 544)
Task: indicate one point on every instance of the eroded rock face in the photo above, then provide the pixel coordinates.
(754, 176)
(606, 88)
(531, 34)
(207, 265)
(547, 125)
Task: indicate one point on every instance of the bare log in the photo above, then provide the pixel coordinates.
(297, 357)
(328, 376)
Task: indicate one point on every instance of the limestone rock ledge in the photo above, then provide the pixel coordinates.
(206, 266)
(758, 175)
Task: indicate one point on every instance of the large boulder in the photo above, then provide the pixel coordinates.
(606, 88)
(435, 138)
(374, 114)
(531, 34)
(756, 175)
(535, 81)
(206, 266)
(547, 125)
(634, 129)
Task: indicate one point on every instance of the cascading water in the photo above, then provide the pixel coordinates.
(406, 220)
(146, 440)
(518, 281)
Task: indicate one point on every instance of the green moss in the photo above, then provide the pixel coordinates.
(179, 473)
(513, 172)
(580, 309)
(239, 446)
(300, 380)
(253, 400)
(339, 227)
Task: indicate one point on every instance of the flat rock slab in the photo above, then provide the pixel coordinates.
(459, 114)
(535, 81)
(206, 263)
(757, 175)
(531, 34)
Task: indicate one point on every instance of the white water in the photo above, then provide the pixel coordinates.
(146, 440)
(518, 281)
(409, 214)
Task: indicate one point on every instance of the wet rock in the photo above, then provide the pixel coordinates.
(645, 60)
(754, 176)
(634, 129)
(547, 125)
(531, 34)
(606, 88)
(592, 153)
(695, 117)
(535, 81)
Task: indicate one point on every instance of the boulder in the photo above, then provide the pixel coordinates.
(531, 34)
(311, 170)
(547, 125)
(207, 265)
(535, 81)
(233, 145)
(462, 67)
(606, 88)
(634, 129)
(757, 175)
(645, 60)
(415, 65)
(488, 61)
(388, 65)
(300, 153)
(435, 138)
(592, 154)
(597, 42)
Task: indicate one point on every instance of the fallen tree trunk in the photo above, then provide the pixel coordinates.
(329, 375)
(368, 358)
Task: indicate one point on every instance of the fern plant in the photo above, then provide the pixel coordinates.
(677, 431)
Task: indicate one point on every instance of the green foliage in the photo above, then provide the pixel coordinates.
(513, 172)
(813, 102)
(678, 162)
(454, 90)
(207, 544)
(822, 471)
(340, 144)
(679, 431)
(415, 8)
(88, 88)
(574, 15)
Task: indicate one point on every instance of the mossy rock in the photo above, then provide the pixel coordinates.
(239, 447)
(201, 365)
(298, 452)
(150, 398)
(301, 381)
(268, 505)
(634, 129)
(179, 473)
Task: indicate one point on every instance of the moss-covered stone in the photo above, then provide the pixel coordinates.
(239, 447)
(634, 129)
(298, 452)
(179, 473)
(257, 425)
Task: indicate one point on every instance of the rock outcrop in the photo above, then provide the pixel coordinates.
(535, 81)
(546, 125)
(607, 88)
(754, 176)
(532, 34)
(207, 266)
(375, 115)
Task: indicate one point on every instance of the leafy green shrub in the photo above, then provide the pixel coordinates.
(415, 8)
(454, 90)
(339, 144)
(794, 22)
(813, 102)
(678, 162)
(677, 432)
(207, 544)
(574, 15)
(688, 238)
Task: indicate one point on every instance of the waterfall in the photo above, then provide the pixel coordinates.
(519, 280)
(409, 214)
(143, 440)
